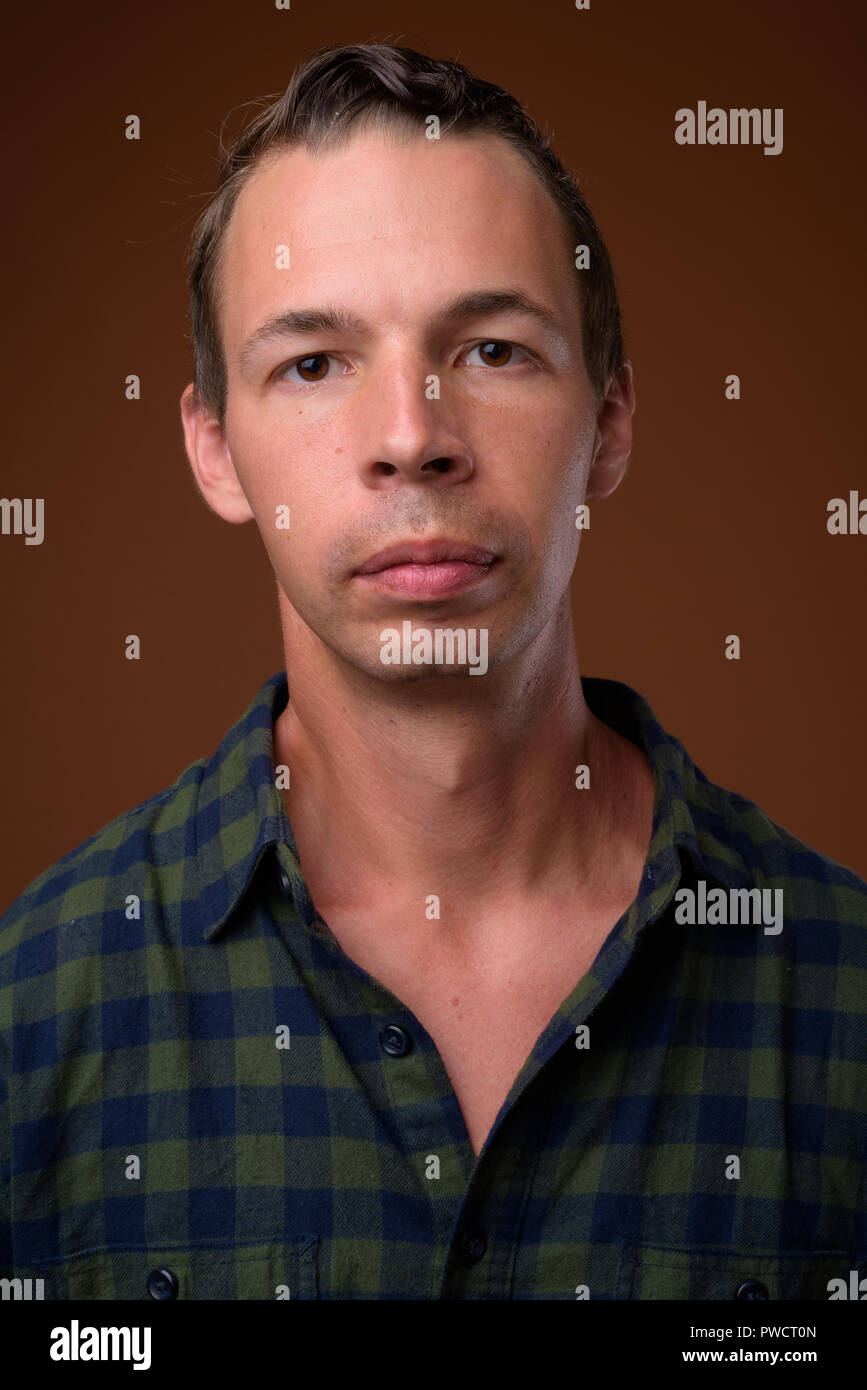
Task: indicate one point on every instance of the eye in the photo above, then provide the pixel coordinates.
(310, 367)
(495, 348)
(314, 366)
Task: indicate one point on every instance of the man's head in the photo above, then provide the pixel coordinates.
(442, 368)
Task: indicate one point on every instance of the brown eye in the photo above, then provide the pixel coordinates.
(501, 351)
(319, 357)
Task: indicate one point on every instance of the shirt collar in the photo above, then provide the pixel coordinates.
(694, 822)
(238, 812)
(238, 815)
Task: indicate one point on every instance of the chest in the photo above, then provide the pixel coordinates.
(485, 1014)
(483, 1047)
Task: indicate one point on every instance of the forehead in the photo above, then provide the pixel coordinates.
(397, 221)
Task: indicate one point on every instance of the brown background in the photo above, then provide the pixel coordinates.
(728, 261)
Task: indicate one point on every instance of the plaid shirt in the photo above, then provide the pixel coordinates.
(202, 1096)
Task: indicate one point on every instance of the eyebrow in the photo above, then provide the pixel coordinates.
(332, 319)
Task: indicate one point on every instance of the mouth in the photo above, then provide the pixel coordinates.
(427, 569)
(433, 552)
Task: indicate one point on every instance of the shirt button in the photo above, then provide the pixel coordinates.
(162, 1284)
(472, 1245)
(751, 1288)
(394, 1040)
(286, 884)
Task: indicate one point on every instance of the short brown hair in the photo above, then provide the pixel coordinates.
(342, 88)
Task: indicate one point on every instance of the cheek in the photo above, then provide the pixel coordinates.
(294, 509)
(272, 467)
(571, 453)
(550, 498)
(301, 429)
(305, 416)
(551, 478)
(292, 449)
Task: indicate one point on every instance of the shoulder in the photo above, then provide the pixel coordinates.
(726, 834)
(773, 851)
(97, 877)
(823, 901)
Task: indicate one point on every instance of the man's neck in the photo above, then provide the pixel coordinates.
(460, 788)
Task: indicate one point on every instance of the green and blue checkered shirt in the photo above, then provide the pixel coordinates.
(203, 1097)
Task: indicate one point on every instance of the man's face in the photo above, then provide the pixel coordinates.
(410, 425)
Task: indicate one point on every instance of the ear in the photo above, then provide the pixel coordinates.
(613, 443)
(208, 452)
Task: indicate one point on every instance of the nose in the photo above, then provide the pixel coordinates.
(415, 434)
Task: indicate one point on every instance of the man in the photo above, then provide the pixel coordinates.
(449, 975)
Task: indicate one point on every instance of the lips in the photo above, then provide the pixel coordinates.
(432, 552)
